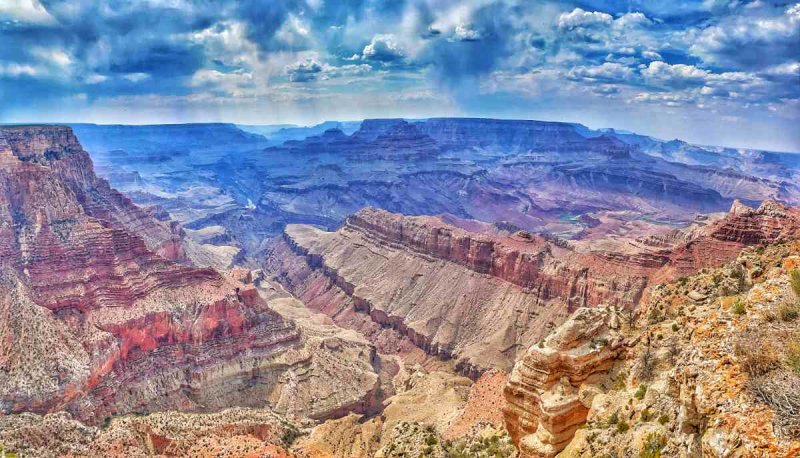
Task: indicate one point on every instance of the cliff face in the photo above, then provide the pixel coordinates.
(548, 394)
(722, 241)
(480, 298)
(98, 324)
(548, 268)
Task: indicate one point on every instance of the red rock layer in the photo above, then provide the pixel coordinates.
(530, 261)
(722, 241)
(150, 333)
(581, 279)
(57, 148)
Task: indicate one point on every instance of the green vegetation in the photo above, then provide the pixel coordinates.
(622, 427)
(738, 307)
(290, 435)
(795, 277)
(663, 419)
(614, 418)
(787, 312)
(647, 415)
(486, 447)
(640, 392)
(619, 382)
(793, 356)
(675, 327)
(653, 444)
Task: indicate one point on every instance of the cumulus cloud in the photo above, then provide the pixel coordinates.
(633, 20)
(581, 18)
(651, 55)
(678, 75)
(466, 32)
(382, 48)
(30, 11)
(608, 71)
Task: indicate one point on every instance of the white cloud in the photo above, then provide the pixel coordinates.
(662, 73)
(30, 11)
(16, 70)
(751, 41)
(632, 20)
(466, 32)
(382, 48)
(652, 55)
(581, 18)
(53, 56)
(608, 71)
(136, 77)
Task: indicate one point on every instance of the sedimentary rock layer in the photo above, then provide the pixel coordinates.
(96, 323)
(480, 298)
(544, 403)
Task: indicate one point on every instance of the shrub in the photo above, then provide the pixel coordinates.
(653, 443)
(619, 383)
(640, 392)
(793, 356)
(757, 354)
(622, 427)
(674, 327)
(663, 419)
(781, 391)
(795, 277)
(646, 364)
(647, 415)
(614, 418)
(738, 307)
(787, 312)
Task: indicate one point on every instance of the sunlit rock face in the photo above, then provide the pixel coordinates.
(96, 322)
(547, 395)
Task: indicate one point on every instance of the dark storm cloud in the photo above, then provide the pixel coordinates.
(475, 48)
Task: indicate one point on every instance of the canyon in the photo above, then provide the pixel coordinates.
(98, 324)
(235, 188)
(439, 287)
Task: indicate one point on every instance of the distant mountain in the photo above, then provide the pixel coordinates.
(540, 176)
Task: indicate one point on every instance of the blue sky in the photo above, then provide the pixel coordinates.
(709, 71)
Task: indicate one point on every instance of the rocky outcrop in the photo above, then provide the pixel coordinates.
(232, 432)
(547, 395)
(57, 149)
(707, 370)
(98, 324)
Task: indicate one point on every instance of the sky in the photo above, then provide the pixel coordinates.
(722, 72)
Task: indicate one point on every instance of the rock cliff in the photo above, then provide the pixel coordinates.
(480, 298)
(97, 323)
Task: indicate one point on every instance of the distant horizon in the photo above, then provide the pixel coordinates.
(313, 124)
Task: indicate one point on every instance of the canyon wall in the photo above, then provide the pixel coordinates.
(99, 324)
(480, 298)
